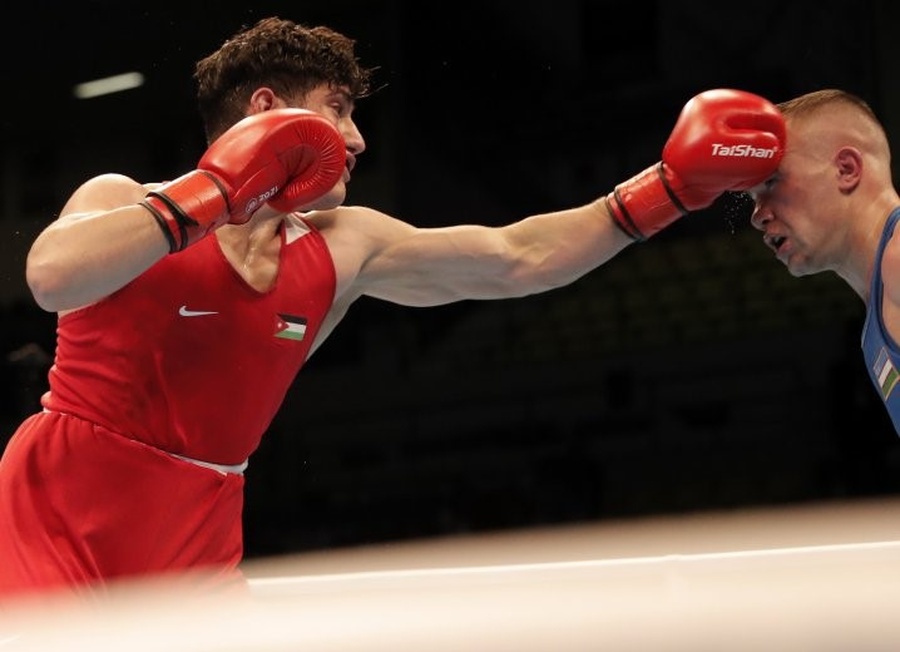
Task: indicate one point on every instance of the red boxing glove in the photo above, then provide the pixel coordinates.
(723, 140)
(287, 157)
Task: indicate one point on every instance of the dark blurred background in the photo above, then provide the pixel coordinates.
(689, 373)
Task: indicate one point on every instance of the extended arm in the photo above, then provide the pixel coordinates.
(723, 140)
(422, 267)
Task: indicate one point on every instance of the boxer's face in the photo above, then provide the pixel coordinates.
(335, 104)
(794, 207)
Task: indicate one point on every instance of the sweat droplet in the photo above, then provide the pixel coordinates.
(738, 207)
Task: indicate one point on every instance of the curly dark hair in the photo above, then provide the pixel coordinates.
(290, 58)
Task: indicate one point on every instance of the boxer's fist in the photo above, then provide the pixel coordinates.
(287, 157)
(723, 140)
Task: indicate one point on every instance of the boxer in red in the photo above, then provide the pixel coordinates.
(187, 308)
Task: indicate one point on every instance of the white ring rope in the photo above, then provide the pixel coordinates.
(838, 595)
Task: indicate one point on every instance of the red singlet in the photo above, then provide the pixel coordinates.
(186, 360)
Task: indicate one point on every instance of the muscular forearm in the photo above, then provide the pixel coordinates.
(554, 249)
(82, 258)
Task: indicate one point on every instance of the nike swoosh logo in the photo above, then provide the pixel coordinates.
(184, 312)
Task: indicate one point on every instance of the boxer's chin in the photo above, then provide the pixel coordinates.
(332, 199)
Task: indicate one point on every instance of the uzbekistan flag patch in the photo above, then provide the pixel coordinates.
(886, 373)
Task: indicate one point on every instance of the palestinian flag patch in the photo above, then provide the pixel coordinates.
(291, 327)
(886, 373)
